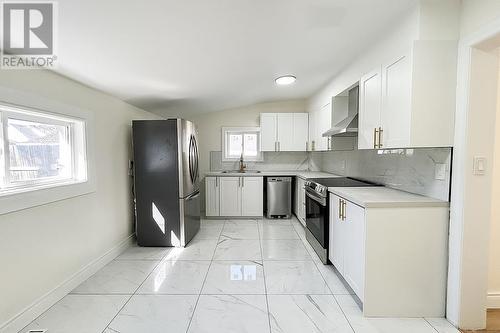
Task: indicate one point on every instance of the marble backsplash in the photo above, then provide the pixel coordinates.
(411, 170)
(284, 161)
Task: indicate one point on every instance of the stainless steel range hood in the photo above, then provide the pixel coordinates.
(346, 127)
(349, 125)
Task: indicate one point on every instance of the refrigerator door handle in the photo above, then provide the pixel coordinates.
(192, 195)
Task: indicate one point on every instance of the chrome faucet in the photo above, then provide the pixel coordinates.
(242, 166)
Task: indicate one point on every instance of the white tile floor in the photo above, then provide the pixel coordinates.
(236, 276)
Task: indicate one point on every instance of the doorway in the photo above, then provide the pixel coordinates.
(475, 202)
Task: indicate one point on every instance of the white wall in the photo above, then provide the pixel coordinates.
(43, 246)
(429, 20)
(476, 14)
(494, 262)
(396, 40)
(209, 124)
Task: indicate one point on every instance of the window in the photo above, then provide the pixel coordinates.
(241, 140)
(39, 149)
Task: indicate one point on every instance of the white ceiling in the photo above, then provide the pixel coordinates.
(186, 56)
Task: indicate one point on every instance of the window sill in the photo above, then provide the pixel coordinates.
(24, 198)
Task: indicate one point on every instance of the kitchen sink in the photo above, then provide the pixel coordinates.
(238, 171)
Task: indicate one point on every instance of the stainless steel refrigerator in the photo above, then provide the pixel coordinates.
(166, 182)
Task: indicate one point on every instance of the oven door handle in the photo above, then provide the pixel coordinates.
(320, 200)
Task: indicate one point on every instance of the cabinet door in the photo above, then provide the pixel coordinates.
(300, 131)
(311, 144)
(370, 92)
(212, 194)
(252, 196)
(354, 248)
(285, 131)
(268, 131)
(396, 103)
(296, 197)
(302, 201)
(323, 124)
(230, 196)
(337, 235)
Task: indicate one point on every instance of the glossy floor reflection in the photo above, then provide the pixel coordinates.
(236, 276)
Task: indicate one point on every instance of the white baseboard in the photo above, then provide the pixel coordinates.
(31, 312)
(493, 301)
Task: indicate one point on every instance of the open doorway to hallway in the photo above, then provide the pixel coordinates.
(475, 213)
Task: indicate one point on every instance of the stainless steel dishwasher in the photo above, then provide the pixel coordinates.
(279, 197)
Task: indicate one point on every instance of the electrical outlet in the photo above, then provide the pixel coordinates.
(440, 171)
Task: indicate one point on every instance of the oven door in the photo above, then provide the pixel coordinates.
(317, 217)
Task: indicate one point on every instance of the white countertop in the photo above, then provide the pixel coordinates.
(294, 173)
(380, 197)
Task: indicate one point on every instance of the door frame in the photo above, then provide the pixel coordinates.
(468, 253)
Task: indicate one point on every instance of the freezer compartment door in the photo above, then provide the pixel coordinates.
(190, 217)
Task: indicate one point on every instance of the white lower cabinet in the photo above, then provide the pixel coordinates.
(251, 196)
(234, 196)
(230, 196)
(393, 258)
(300, 200)
(347, 222)
(354, 255)
(212, 195)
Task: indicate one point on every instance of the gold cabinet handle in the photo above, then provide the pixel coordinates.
(380, 131)
(340, 209)
(375, 136)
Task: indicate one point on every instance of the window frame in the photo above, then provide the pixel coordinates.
(79, 170)
(6, 182)
(242, 131)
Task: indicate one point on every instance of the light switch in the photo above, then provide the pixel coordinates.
(440, 171)
(479, 165)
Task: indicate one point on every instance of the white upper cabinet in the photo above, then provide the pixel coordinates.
(370, 96)
(284, 131)
(300, 131)
(409, 101)
(268, 131)
(396, 102)
(320, 122)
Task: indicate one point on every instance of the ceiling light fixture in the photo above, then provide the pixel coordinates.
(285, 80)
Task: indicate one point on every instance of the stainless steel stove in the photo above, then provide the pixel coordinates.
(317, 210)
